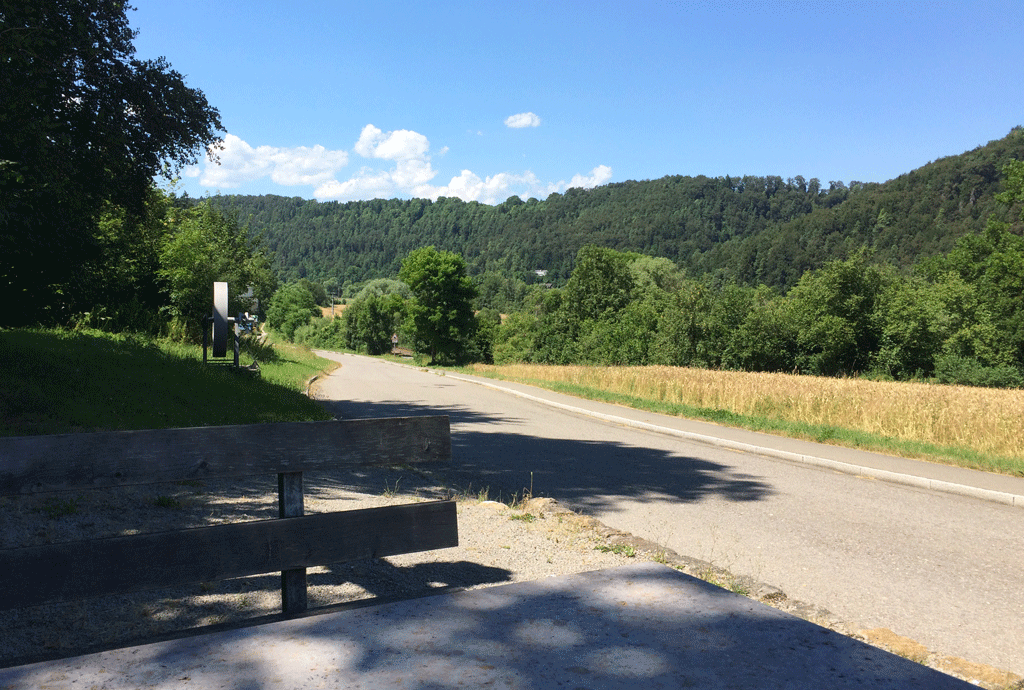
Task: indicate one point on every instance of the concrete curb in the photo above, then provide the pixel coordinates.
(844, 467)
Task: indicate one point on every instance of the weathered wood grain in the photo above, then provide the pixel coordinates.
(77, 570)
(290, 504)
(31, 464)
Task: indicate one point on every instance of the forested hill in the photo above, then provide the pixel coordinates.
(753, 229)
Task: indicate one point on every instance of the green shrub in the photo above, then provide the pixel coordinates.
(967, 371)
(291, 307)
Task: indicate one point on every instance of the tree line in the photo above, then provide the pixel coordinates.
(429, 309)
(956, 317)
(755, 230)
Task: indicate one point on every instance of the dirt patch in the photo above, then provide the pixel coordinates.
(985, 675)
(981, 674)
(897, 644)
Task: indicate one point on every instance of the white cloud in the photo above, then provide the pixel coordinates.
(468, 186)
(368, 184)
(520, 120)
(399, 145)
(410, 152)
(409, 174)
(305, 166)
(598, 176)
(412, 173)
(494, 189)
(241, 163)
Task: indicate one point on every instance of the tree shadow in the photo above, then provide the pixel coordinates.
(642, 625)
(185, 612)
(590, 476)
(382, 579)
(458, 414)
(587, 475)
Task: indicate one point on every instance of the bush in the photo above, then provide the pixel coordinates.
(370, 320)
(967, 371)
(488, 324)
(514, 341)
(329, 334)
(291, 307)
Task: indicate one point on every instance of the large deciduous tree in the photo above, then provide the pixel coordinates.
(443, 309)
(291, 307)
(83, 123)
(204, 246)
(601, 283)
(833, 312)
(375, 314)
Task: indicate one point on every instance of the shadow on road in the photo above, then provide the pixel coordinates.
(588, 475)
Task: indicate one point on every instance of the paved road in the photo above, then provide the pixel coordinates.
(946, 570)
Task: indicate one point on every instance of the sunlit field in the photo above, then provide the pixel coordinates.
(954, 420)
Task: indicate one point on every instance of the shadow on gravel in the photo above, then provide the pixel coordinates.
(587, 475)
(111, 622)
(178, 614)
(382, 579)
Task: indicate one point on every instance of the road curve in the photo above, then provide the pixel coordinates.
(945, 569)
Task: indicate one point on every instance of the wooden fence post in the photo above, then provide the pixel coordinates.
(290, 504)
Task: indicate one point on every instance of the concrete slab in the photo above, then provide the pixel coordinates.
(643, 625)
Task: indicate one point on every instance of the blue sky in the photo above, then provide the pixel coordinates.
(485, 100)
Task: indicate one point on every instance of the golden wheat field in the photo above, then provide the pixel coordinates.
(985, 420)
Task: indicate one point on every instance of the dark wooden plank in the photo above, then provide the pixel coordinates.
(30, 464)
(290, 500)
(290, 504)
(77, 570)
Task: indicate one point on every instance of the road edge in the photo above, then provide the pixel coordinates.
(991, 495)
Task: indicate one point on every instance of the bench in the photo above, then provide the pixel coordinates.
(71, 571)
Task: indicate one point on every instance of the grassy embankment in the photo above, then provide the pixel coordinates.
(979, 428)
(76, 381)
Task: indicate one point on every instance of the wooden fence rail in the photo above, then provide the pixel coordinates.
(76, 570)
(31, 464)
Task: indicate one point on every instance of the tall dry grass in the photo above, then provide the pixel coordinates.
(988, 421)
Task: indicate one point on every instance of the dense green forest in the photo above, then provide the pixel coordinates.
(920, 277)
(754, 230)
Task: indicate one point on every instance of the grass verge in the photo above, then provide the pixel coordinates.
(58, 381)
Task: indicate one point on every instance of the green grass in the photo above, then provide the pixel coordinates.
(168, 502)
(849, 438)
(55, 508)
(620, 549)
(58, 381)
(523, 517)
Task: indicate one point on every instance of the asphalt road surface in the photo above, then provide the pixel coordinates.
(946, 570)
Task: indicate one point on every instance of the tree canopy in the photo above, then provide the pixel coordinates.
(291, 307)
(443, 307)
(203, 246)
(751, 229)
(84, 124)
